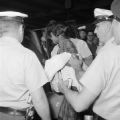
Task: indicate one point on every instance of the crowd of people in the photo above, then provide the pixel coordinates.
(82, 68)
(72, 32)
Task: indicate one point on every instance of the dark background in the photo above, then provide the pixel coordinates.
(41, 11)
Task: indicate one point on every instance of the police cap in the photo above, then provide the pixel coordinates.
(13, 16)
(102, 15)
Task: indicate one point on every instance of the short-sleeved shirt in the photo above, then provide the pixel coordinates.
(109, 43)
(82, 47)
(21, 73)
(102, 78)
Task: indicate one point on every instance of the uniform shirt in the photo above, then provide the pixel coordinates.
(20, 74)
(108, 44)
(82, 49)
(102, 78)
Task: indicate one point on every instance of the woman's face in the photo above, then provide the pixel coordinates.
(69, 48)
(90, 36)
(82, 34)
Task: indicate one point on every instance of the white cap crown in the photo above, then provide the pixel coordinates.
(82, 27)
(13, 14)
(102, 12)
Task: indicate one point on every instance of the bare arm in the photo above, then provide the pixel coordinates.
(79, 100)
(93, 83)
(40, 103)
(88, 60)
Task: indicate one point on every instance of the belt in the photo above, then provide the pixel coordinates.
(12, 111)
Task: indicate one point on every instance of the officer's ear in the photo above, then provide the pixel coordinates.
(21, 28)
(21, 32)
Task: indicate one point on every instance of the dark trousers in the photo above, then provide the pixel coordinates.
(4, 116)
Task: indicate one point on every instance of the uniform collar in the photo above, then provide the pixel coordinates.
(112, 40)
(8, 39)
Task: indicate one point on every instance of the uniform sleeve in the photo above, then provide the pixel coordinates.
(83, 49)
(94, 79)
(35, 76)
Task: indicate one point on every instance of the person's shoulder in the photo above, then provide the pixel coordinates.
(82, 42)
(110, 52)
(115, 49)
(28, 52)
(75, 40)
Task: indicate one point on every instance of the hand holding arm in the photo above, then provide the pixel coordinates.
(80, 101)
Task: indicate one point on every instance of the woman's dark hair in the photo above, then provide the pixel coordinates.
(56, 29)
(71, 32)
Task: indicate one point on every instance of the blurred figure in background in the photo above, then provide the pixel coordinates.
(96, 40)
(82, 33)
(46, 45)
(96, 44)
(90, 43)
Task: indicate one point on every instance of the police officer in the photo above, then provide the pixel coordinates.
(101, 82)
(103, 29)
(21, 74)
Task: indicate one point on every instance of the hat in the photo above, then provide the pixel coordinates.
(12, 15)
(82, 27)
(115, 8)
(102, 15)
